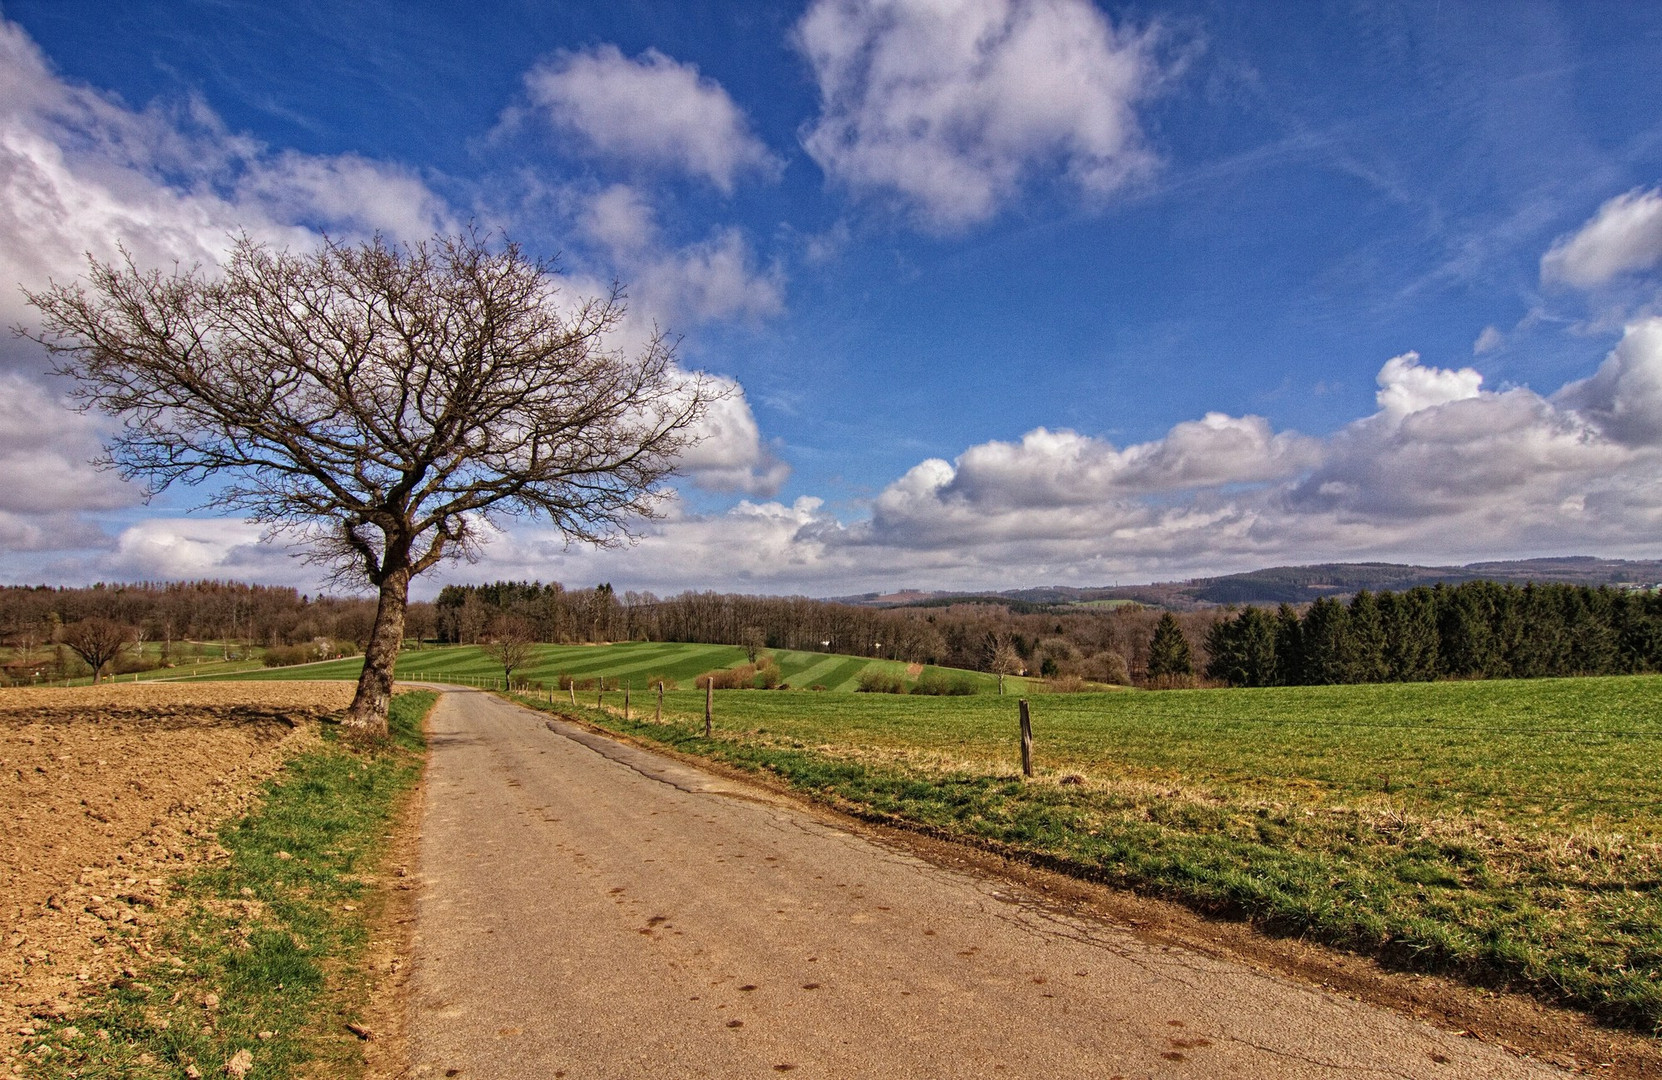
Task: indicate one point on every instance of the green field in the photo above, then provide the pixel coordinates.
(634, 663)
(1506, 831)
(186, 659)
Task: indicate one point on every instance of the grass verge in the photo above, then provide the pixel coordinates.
(256, 973)
(1505, 833)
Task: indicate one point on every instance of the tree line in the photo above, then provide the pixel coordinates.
(45, 628)
(1475, 630)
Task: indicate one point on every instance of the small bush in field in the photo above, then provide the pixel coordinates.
(877, 681)
(284, 655)
(742, 677)
(937, 683)
(1066, 684)
(669, 683)
(819, 686)
(768, 675)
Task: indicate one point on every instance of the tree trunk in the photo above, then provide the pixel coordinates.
(368, 713)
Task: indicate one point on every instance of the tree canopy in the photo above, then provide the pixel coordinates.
(384, 404)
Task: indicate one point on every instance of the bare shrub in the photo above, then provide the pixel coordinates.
(878, 681)
(935, 682)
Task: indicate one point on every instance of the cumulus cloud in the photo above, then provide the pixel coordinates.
(46, 453)
(80, 171)
(163, 549)
(650, 110)
(83, 172)
(949, 108)
(715, 278)
(1405, 387)
(1623, 237)
(1443, 470)
(730, 455)
(1624, 397)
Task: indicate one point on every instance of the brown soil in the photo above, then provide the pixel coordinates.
(110, 792)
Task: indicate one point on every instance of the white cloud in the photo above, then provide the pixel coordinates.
(46, 453)
(730, 455)
(1624, 397)
(650, 110)
(713, 279)
(347, 191)
(1488, 341)
(1405, 387)
(1443, 471)
(1623, 237)
(81, 172)
(949, 106)
(163, 549)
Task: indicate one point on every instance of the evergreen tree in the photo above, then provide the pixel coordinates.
(1465, 630)
(1365, 660)
(1638, 632)
(1326, 642)
(1169, 654)
(1540, 649)
(1225, 660)
(1289, 647)
(1257, 634)
(1242, 650)
(1591, 632)
(1410, 623)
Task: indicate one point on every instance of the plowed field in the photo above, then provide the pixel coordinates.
(107, 792)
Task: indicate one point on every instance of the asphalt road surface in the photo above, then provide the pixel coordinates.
(588, 909)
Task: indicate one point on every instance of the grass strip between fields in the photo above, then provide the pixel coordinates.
(1572, 915)
(259, 973)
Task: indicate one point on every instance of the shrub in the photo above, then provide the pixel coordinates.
(878, 681)
(741, 677)
(936, 682)
(285, 655)
(768, 676)
(819, 686)
(1066, 684)
(1106, 667)
(653, 681)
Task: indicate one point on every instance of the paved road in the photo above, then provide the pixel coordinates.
(592, 910)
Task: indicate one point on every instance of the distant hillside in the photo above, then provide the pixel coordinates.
(1301, 584)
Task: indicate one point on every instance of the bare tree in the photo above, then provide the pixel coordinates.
(386, 405)
(98, 641)
(753, 641)
(511, 643)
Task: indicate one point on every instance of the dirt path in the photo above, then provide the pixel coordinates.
(588, 909)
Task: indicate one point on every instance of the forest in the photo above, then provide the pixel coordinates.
(1477, 629)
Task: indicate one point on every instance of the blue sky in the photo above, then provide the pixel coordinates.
(1010, 292)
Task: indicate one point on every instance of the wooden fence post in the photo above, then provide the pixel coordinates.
(1026, 741)
(626, 701)
(660, 717)
(709, 705)
(572, 686)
